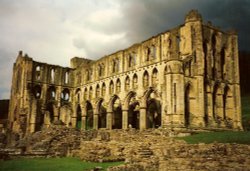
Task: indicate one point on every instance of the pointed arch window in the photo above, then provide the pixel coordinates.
(154, 77)
(103, 89)
(111, 87)
(118, 86)
(127, 83)
(135, 81)
(145, 79)
(97, 91)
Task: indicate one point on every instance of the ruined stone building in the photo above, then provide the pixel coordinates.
(186, 77)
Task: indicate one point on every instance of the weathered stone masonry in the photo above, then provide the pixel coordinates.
(187, 77)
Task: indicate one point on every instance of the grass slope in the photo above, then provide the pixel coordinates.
(221, 137)
(51, 164)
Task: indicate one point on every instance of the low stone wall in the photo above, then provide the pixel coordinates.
(149, 150)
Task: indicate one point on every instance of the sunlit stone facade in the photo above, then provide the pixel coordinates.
(187, 77)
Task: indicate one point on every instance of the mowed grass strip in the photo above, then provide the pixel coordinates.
(51, 164)
(220, 137)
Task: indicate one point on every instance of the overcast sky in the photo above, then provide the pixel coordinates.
(54, 31)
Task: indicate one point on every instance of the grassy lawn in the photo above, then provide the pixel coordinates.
(51, 164)
(222, 137)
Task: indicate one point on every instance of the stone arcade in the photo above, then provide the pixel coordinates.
(186, 77)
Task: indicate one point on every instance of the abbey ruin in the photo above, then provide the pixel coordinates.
(184, 78)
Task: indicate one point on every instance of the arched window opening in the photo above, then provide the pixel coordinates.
(131, 59)
(65, 95)
(66, 81)
(85, 94)
(52, 75)
(118, 86)
(97, 91)
(147, 54)
(103, 89)
(117, 114)
(51, 93)
(154, 77)
(89, 116)
(145, 79)
(222, 62)
(153, 52)
(38, 73)
(37, 91)
(99, 70)
(88, 75)
(90, 93)
(134, 114)
(135, 81)
(102, 115)
(79, 117)
(111, 87)
(127, 83)
(38, 68)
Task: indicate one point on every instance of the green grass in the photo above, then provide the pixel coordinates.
(51, 164)
(221, 137)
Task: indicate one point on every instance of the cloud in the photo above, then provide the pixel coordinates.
(53, 31)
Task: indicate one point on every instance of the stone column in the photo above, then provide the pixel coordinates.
(73, 122)
(124, 119)
(209, 106)
(83, 126)
(109, 120)
(95, 124)
(143, 118)
(33, 116)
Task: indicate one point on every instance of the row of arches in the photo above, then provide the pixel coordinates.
(118, 115)
(115, 87)
(52, 73)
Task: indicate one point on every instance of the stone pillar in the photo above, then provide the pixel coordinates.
(109, 120)
(124, 119)
(33, 116)
(73, 122)
(211, 121)
(143, 118)
(56, 112)
(83, 126)
(95, 124)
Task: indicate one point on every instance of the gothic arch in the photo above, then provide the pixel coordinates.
(89, 115)
(103, 91)
(102, 113)
(78, 117)
(153, 108)
(132, 105)
(118, 86)
(135, 81)
(145, 79)
(115, 107)
(97, 94)
(127, 83)
(154, 77)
